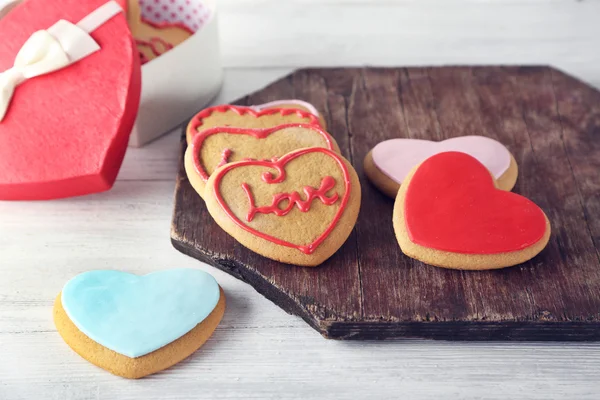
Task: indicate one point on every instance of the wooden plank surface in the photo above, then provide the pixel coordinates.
(369, 289)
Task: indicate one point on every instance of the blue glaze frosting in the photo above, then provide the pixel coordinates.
(136, 315)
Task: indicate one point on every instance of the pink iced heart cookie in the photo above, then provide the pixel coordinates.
(388, 164)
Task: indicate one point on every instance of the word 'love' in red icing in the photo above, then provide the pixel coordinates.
(293, 199)
(327, 184)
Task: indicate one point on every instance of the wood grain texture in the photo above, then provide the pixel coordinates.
(369, 289)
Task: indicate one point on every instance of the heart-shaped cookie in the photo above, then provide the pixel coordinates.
(297, 209)
(247, 117)
(215, 147)
(293, 103)
(159, 26)
(65, 133)
(449, 213)
(134, 326)
(388, 164)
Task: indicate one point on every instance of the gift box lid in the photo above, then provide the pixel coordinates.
(65, 132)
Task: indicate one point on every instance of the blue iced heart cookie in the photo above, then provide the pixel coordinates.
(136, 315)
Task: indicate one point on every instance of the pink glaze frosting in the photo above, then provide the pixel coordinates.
(309, 107)
(397, 157)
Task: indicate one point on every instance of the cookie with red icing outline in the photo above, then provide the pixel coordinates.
(254, 117)
(296, 104)
(152, 39)
(450, 213)
(297, 209)
(215, 147)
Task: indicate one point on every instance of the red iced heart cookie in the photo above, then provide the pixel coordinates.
(215, 147)
(65, 133)
(247, 117)
(449, 213)
(298, 209)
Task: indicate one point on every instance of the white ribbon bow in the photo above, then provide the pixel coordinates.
(49, 50)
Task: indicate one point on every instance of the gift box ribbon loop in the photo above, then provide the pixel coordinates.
(57, 47)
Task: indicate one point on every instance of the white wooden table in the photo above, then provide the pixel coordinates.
(260, 352)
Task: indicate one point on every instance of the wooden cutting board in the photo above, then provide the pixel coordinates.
(369, 289)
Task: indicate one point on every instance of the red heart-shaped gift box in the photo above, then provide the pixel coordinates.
(65, 133)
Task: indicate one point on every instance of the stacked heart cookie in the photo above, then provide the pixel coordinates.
(453, 207)
(273, 178)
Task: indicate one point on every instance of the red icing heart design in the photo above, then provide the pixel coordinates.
(157, 46)
(65, 133)
(452, 205)
(257, 133)
(292, 199)
(199, 118)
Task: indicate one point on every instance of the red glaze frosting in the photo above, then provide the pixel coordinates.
(157, 45)
(452, 205)
(65, 133)
(257, 133)
(279, 164)
(143, 59)
(292, 199)
(198, 119)
(225, 157)
(163, 25)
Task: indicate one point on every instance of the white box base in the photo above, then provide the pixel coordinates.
(179, 83)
